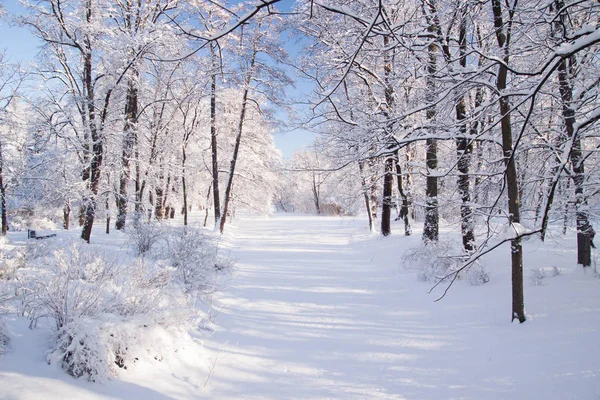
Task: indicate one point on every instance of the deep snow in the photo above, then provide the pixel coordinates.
(319, 309)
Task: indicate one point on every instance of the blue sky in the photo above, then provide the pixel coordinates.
(21, 47)
(18, 43)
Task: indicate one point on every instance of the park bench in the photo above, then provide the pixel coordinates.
(32, 235)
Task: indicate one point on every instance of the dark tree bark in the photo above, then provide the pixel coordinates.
(3, 194)
(566, 211)
(66, 215)
(161, 198)
(404, 206)
(129, 140)
(316, 191)
(365, 190)
(213, 137)
(207, 204)
(503, 35)
(107, 217)
(184, 188)
(464, 149)
(240, 128)
(431, 224)
(387, 201)
(97, 144)
(373, 200)
(81, 216)
(585, 231)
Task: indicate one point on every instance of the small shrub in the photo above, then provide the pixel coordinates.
(194, 255)
(35, 249)
(83, 349)
(432, 261)
(436, 261)
(96, 348)
(10, 262)
(144, 235)
(537, 276)
(99, 305)
(4, 339)
(67, 283)
(476, 275)
(5, 296)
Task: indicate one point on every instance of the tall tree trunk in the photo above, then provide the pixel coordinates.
(387, 200)
(96, 156)
(238, 138)
(165, 200)
(566, 211)
(81, 216)
(3, 194)
(234, 157)
(207, 204)
(95, 134)
(161, 211)
(66, 215)
(365, 190)
(373, 191)
(213, 136)
(159, 198)
(464, 149)
(503, 34)
(403, 197)
(107, 212)
(316, 194)
(129, 140)
(585, 231)
(139, 187)
(431, 223)
(183, 186)
(408, 182)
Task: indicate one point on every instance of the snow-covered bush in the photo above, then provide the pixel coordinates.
(476, 274)
(432, 261)
(144, 235)
(35, 249)
(31, 220)
(67, 283)
(10, 262)
(5, 296)
(4, 339)
(538, 275)
(194, 254)
(82, 349)
(95, 348)
(435, 261)
(100, 306)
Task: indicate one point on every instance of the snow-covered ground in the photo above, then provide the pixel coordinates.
(319, 309)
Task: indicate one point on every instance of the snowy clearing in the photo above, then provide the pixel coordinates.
(320, 310)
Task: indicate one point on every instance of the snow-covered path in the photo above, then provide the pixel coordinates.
(304, 318)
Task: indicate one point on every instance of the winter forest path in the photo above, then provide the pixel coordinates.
(304, 318)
